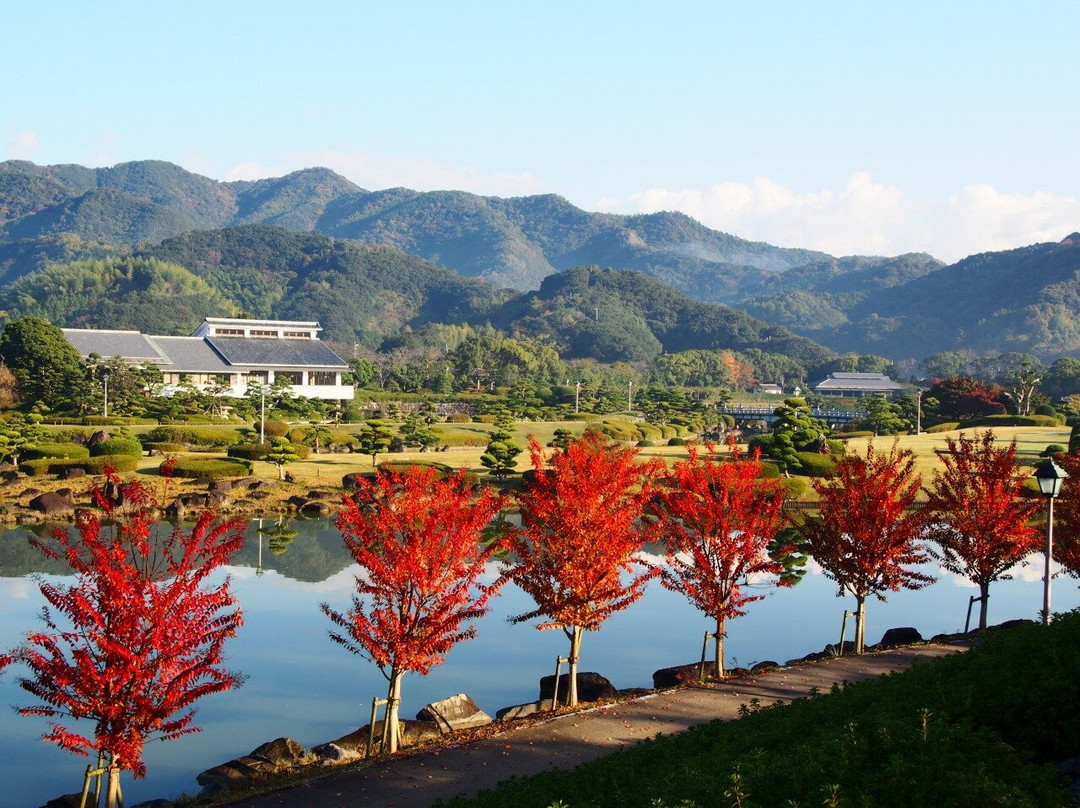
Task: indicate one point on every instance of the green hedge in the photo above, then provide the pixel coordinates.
(249, 451)
(459, 418)
(91, 465)
(101, 420)
(69, 450)
(1013, 420)
(794, 487)
(948, 426)
(816, 465)
(117, 446)
(192, 436)
(165, 447)
(456, 438)
(199, 468)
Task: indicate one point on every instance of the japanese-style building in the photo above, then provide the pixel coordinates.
(857, 385)
(233, 353)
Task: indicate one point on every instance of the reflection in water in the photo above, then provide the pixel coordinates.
(303, 686)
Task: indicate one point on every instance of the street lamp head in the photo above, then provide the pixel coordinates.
(1050, 477)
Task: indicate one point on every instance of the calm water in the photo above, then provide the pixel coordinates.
(303, 686)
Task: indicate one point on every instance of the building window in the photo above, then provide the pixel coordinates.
(259, 332)
(324, 378)
(297, 335)
(230, 332)
(294, 376)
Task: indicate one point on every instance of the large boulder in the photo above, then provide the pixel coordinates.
(522, 710)
(53, 505)
(678, 675)
(269, 758)
(591, 687)
(900, 636)
(454, 713)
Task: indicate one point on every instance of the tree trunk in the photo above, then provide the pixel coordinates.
(575, 647)
(112, 787)
(393, 701)
(860, 622)
(984, 592)
(719, 640)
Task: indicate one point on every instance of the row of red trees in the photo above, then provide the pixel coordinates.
(142, 632)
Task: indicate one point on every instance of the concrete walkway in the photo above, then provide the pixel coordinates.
(417, 780)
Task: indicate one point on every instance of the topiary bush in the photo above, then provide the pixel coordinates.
(947, 426)
(69, 450)
(1014, 420)
(816, 465)
(165, 447)
(117, 446)
(645, 444)
(91, 465)
(249, 451)
(458, 418)
(275, 429)
(794, 487)
(677, 441)
(201, 468)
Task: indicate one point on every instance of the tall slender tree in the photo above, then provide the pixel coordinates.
(979, 517)
(581, 530)
(417, 540)
(866, 536)
(138, 637)
(717, 519)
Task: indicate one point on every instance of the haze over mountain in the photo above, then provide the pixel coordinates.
(908, 306)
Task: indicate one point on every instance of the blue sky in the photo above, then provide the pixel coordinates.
(851, 127)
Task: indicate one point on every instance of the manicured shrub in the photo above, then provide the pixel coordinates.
(249, 451)
(192, 436)
(1047, 409)
(947, 426)
(816, 465)
(677, 442)
(91, 465)
(794, 487)
(117, 446)
(770, 470)
(458, 418)
(69, 450)
(456, 438)
(38, 467)
(1014, 420)
(645, 444)
(165, 447)
(275, 429)
(199, 468)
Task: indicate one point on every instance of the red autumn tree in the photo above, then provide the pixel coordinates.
(979, 518)
(138, 638)
(581, 528)
(717, 519)
(1067, 515)
(417, 539)
(866, 536)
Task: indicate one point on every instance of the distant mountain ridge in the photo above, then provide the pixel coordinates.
(902, 307)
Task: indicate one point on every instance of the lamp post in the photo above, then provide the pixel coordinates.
(105, 380)
(1050, 477)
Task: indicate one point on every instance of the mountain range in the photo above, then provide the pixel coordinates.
(907, 306)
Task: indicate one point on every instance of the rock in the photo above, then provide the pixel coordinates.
(289, 478)
(296, 501)
(318, 493)
(335, 753)
(522, 710)
(353, 743)
(900, 636)
(281, 752)
(591, 687)
(348, 482)
(72, 473)
(635, 692)
(767, 665)
(677, 676)
(219, 486)
(52, 504)
(412, 733)
(317, 508)
(95, 439)
(454, 713)
(66, 801)
(832, 650)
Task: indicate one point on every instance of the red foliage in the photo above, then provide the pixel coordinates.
(138, 638)
(581, 530)
(961, 397)
(979, 518)
(1067, 515)
(867, 534)
(418, 541)
(717, 519)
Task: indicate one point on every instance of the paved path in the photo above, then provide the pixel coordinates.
(417, 780)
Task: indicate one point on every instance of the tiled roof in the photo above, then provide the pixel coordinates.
(193, 355)
(276, 352)
(130, 345)
(858, 381)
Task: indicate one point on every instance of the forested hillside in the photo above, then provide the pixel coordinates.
(903, 307)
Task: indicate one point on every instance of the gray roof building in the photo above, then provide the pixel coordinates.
(135, 347)
(857, 384)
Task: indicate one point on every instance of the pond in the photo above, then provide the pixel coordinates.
(301, 685)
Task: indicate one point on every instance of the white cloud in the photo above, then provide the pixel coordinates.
(377, 171)
(22, 145)
(865, 217)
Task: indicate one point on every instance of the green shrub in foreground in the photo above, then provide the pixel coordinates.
(200, 468)
(67, 450)
(117, 446)
(91, 465)
(971, 730)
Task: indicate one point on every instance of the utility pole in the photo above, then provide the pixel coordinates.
(629, 396)
(577, 396)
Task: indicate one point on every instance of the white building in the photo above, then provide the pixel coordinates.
(232, 352)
